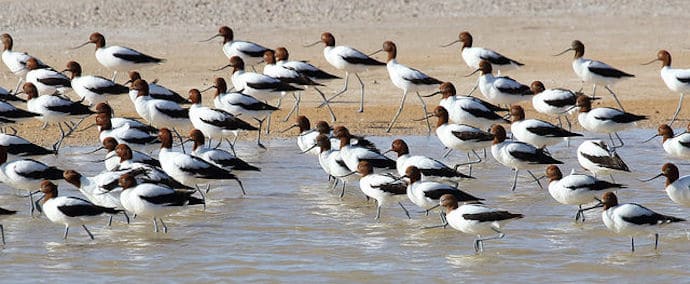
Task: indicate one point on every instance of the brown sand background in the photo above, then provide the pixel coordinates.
(621, 33)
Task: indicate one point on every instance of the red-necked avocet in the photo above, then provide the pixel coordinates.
(476, 219)
(595, 72)
(349, 60)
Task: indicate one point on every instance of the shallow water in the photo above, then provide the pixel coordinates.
(290, 227)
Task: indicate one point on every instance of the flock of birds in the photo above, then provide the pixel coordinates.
(134, 182)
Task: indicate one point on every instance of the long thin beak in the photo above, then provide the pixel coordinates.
(650, 138)
(424, 118)
(291, 127)
(215, 36)
(375, 52)
(650, 62)
(187, 141)
(221, 68)
(94, 151)
(31, 193)
(347, 175)
(451, 43)
(310, 148)
(431, 95)
(81, 45)
(652, 178)
(563, 52)
(569, 109)
(475, 71)
(205, 90)
(435, 206)
(387, 151)
(313, 44)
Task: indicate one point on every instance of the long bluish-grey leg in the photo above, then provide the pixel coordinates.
(110, 220)
(405, 209)
(675, 115)
(330, 110)
(445, 155)
(632, 244)
(378, 210)
(66, 232)
(2, 233)
(347, 79)
(535, 179)
(512, 188)
(342, 191)
(87, 231)
(400, 108)
(615, 97)
(656, 241)
(155, 225)
(165, 227)
(361, 93)
(426, 113)
(295, 107)
(476, 85)
(126, 216)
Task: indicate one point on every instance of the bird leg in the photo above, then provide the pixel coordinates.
(66, 232)
(2, 233)
(395, 118)
(512, 188)
(342, 190)
(632, 244)
(470, 162)
(426, 114)
(361, 93)
(614, 97)
(675, 115)
(378, 211)
(114, 76)
(330, 110)
(165, 228)
(476, 85)
(126, 216)
(535, 179)
(155, 225)
(347, 79)
(180, 138)
(295, 107)
(87, 231)
(110, 220)
(656, 241)
(405, 209)
(258, 137)
(445, 155)
(479, 243)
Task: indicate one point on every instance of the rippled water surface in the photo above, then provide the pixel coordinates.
(290, 227)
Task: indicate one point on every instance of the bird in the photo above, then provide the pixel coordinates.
(430, 168)
(427, 194)
(675, 146)
(310, 71)
(461, 137)
(554, 102)
(153, 200)
(500, 90)
(596, 72)
(218, 157)
(69, 210)
(55, 109)
(476, 219)
(332, 163)
(47, 80)
(349, 60)
(217, 123)
(518, 155)
(407, 79)
(605, 119)
(112, 160)
(473, 55)
(290, 76)
(159, 113)
(632, 219)
(596, 157)
(677, 187)
(16, 61)
(5, 212)
(157, 91)
(21, 147)
(468, 110)
(92, 89)
(25, 174)
(99, 189)
(188, 169)
(577, 189)
(238, 104)
(382, 188)
(117, 122)
(125, 134)
(537, 132)
(119, 58)
(676, 80)
(260, 86)
(153, 174)
(249, 52)
(353, 154)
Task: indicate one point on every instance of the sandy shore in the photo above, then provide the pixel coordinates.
(623, 35)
